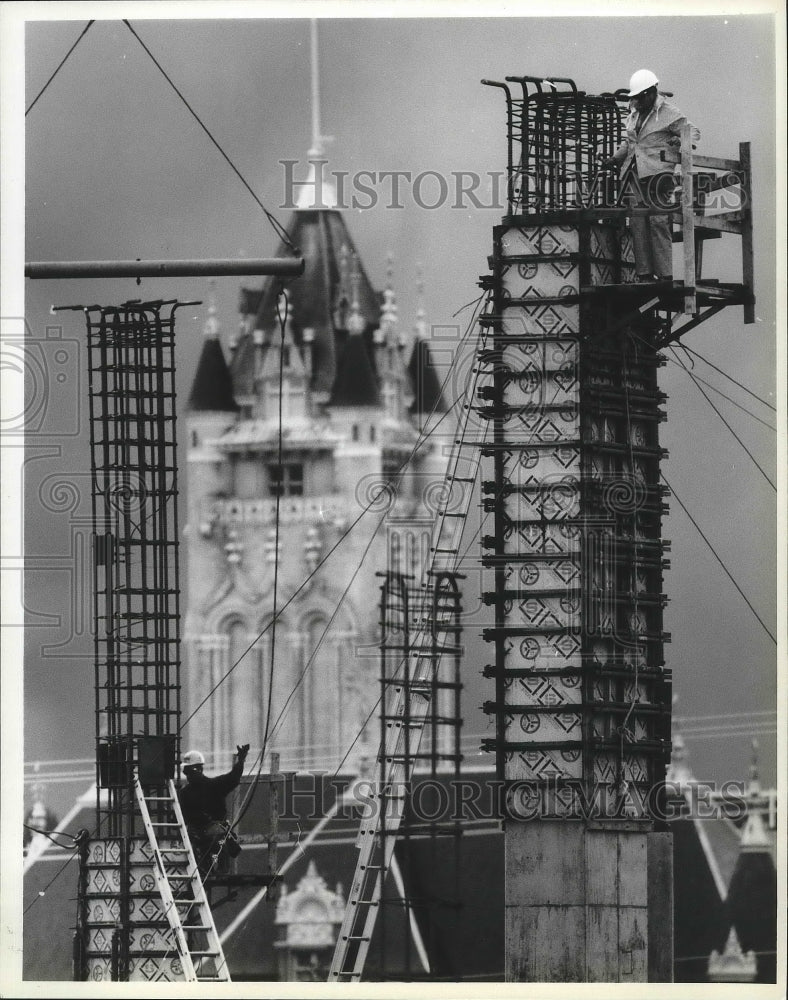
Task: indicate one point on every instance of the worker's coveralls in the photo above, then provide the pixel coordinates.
(648, 185)
(205, 812)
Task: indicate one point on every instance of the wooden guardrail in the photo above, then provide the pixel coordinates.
(701, 176)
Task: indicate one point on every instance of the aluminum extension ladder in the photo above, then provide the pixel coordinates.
(379, 826)
(184, 902)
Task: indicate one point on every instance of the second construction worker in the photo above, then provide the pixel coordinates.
(653, 124)
(204, 809)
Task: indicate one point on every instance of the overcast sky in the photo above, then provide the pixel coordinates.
(117, 168)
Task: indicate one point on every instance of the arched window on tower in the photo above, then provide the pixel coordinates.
(320, 693)
(245, 695)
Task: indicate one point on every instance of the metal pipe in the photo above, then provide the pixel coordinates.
(285, 267)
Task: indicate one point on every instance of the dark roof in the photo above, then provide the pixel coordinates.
(699, 920)
(427, 395)
(320, 235)
(212, 388)
(752, 909)
(355, 383)
(462, 942)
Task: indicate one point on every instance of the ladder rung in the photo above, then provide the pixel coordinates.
(437, 649)
(391, 795)
(355, 937)
(196, 927)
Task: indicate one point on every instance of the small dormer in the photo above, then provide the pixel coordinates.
(310, 917)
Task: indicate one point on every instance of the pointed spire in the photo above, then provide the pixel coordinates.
(212, 326)
(355, 323)
(420, 328)
(679, 771)
(754, 837)
(754, 784)
(389, 313)
(318, 139)
(342, 294)
(317, 192)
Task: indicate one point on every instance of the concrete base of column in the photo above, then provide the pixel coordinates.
(577, 903)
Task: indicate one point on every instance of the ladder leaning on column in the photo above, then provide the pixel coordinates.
(184, 902)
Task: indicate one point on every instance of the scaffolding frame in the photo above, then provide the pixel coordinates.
(435, 613)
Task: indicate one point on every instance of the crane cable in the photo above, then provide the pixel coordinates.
(282, 316)
(727, 376)
(718, 558)
(278, 228)
(59, 67)
(733, 432)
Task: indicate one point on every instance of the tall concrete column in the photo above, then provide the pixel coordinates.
(582, 700)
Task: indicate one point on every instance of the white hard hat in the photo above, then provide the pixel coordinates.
(192, 757)
(642, 79)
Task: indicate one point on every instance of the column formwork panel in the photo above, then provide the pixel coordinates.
(576, 556)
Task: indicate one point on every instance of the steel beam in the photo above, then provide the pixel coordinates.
(282, 267)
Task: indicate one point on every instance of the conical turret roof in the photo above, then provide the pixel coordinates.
(212, 388)
(355, 384)
(427, 396)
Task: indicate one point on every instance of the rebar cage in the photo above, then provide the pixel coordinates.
(557, 138)
(131, 389)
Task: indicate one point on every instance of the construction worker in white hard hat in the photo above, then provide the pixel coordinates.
(205, 810)
(653, 124)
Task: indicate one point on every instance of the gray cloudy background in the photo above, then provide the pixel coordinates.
(117, 168)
